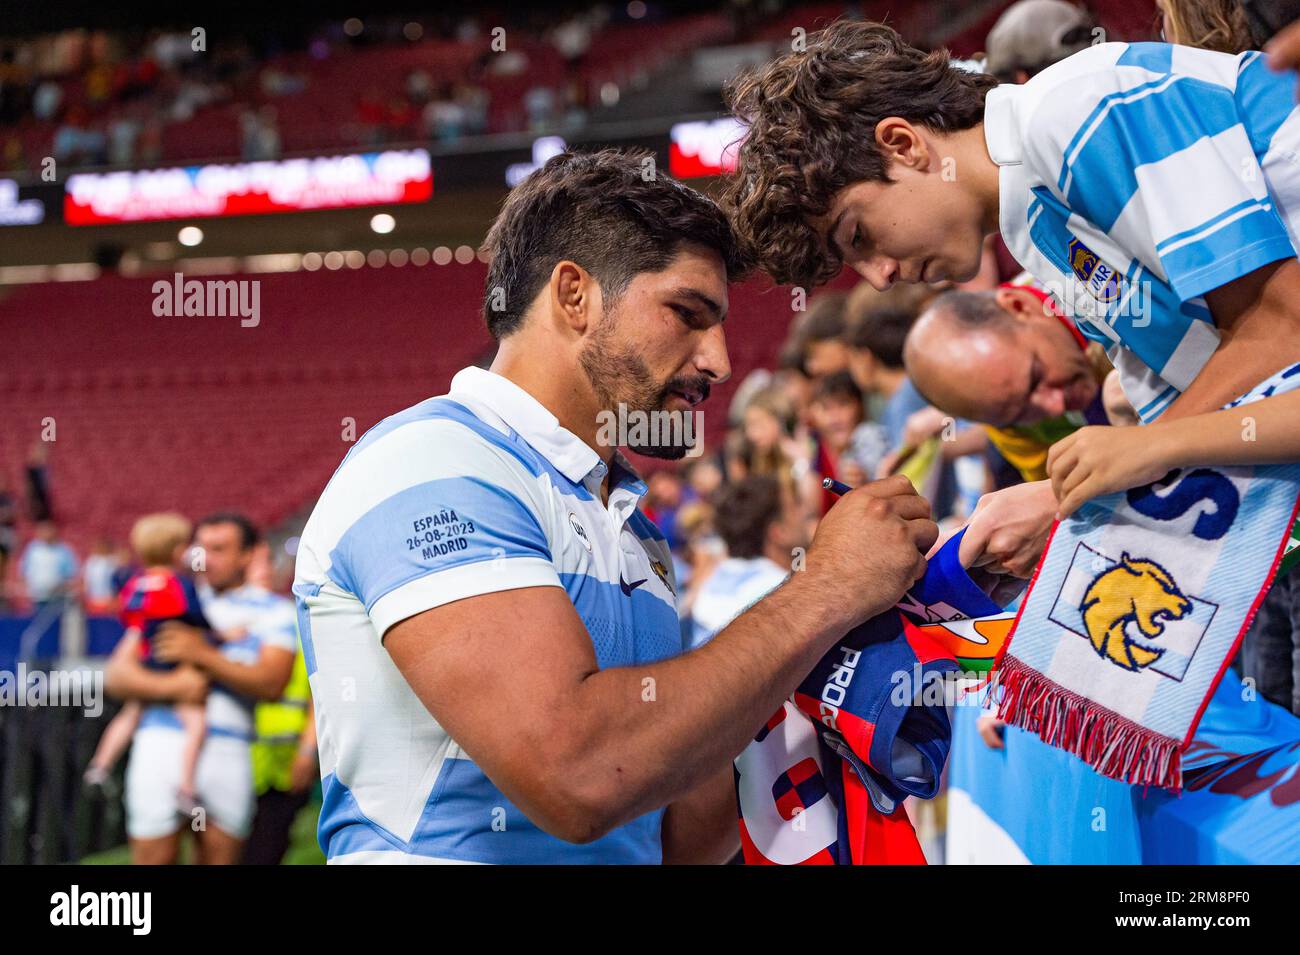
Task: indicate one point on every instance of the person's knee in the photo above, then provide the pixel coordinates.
(160, 851)
(219, 847)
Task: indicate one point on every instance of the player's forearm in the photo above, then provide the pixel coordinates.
(1263, 432)
(1258, 317)
(647, 735)
(126, 680)
(700, 828)
(260, 680)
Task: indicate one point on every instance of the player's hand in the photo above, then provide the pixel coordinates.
(303, 772)
(990, 729)
(176, 642)
(869, 547)
(1101, 460)
(1284, 49)
(1009, 528)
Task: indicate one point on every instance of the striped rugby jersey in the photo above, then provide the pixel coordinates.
(469, 493)
(1133, 179)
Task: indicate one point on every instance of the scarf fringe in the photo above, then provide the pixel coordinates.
(1112, 745)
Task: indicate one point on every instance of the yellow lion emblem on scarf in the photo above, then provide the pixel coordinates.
(1137, 591)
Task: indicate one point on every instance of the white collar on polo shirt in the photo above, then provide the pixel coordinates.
(523, 413)
(1002, 125)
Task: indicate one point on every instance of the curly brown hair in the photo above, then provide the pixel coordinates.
(812, 131)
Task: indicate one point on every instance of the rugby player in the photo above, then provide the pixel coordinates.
(253, 662)
(489, 621)
(1150, 187)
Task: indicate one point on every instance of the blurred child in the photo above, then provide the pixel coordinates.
(159, 593)
(837, 410)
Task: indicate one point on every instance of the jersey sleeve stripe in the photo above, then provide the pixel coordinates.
(431, 527)
(459, 583)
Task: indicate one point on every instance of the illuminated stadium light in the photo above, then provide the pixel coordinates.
(15, 211)
(441, 255)
(210, 265)
(420, 256)
(636, 9)
(413, 31)
(333, 261)
(377, 258)
(229, 189)
(190, 236)
(75, 272)
(353, 259)
(464, 254)
(382, 223)
(609, 94)
(312, 261)
(353, 26)
(704, 148)
(23, 274)
(398, 257)
(273, 262)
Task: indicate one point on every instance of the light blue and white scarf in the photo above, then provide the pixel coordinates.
(1138, 606)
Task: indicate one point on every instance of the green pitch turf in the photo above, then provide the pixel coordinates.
(303, 849)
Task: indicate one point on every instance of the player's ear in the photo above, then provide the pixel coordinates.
(901, 142)
(574, 299)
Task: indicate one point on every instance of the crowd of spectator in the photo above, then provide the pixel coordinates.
(100, 98)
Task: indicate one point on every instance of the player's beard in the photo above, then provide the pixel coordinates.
(620, 376)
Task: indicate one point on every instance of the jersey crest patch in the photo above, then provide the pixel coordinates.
(1103, 282)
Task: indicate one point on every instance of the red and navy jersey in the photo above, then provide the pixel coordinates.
(861, 734)
(155, 596)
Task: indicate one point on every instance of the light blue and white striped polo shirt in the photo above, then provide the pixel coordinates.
(1134, 178)
(473, 492)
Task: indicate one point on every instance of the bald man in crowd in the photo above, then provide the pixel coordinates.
(1007, 359)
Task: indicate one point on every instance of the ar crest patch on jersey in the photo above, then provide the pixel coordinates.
(1103, 282)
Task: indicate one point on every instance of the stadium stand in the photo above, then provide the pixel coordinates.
(97, 88)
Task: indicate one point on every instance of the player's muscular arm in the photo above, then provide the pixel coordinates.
(1258, 317)
(512, 676)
